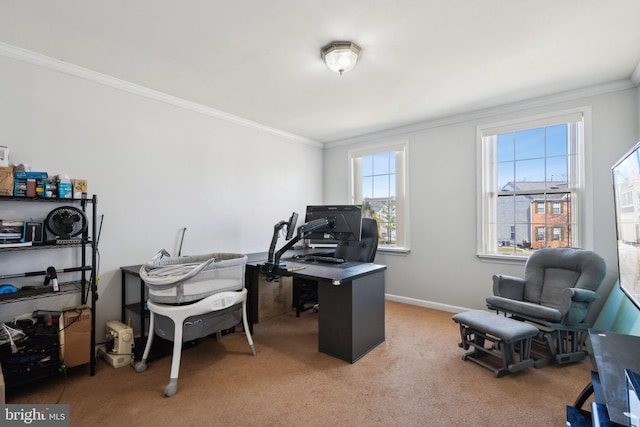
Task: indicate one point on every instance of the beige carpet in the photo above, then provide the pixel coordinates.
(415, 378)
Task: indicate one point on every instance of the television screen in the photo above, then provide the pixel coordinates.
(626, 194)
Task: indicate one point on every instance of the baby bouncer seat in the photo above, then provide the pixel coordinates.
(192, 297)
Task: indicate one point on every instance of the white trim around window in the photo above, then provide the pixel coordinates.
(401, 150)
(487, 183)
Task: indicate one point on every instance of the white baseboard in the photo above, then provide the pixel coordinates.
(426, 304)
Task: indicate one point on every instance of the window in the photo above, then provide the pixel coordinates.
(378, 183)
(626, 201)
(530, 181)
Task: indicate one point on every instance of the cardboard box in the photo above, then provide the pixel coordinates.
(10, 230)
(79, 187)
(65, 190)
(75, 335)
(4, 156)
(20, 187)
(6, 181)
(31, 175)
(274, 298)
(40, 187)
(50, 189)
(31, 187)
(33, 232)
(2, 401)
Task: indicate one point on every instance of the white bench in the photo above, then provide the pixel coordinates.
(497, 336)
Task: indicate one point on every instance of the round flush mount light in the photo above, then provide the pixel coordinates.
(341, 56)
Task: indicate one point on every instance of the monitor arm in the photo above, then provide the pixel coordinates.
(303, 230)
(274, 260)
(274, 239)
(310, 226)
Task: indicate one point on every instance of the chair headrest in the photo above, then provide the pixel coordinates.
(363, 250)
(369, 228)
(591, 267)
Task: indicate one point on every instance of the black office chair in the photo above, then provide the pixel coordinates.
(364, 250)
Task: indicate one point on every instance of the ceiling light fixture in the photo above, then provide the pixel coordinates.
(341, 56)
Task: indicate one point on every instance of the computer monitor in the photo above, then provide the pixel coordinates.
(291, 225)
(344, 222)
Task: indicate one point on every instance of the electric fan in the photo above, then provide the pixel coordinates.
(64, 223)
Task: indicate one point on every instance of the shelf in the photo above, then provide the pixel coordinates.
(65, 288)
(43, 199)
(45, 246)
(135, 307)
(86, 247)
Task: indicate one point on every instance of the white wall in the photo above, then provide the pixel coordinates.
(442, 269)
(155, 167)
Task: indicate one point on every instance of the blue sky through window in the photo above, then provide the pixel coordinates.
(533, 155)
(378, 175)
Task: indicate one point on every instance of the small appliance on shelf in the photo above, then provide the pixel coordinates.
(65, 224)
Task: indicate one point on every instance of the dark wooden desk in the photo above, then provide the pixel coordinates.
(351, 296)
(613, 354)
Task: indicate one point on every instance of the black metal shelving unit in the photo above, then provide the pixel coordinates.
(87, 286)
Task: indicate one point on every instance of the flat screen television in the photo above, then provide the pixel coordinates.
(626, 195)
(344, 222)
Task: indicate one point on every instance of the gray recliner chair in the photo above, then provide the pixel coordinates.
(555, 295)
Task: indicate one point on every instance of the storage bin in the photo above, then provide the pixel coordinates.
(195, 327)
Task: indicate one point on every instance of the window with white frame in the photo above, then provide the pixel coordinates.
(378, 183)
(525, 167)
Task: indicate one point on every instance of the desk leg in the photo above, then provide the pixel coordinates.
(142, 311)
(351, 318)
(124, 299)
(251, 278)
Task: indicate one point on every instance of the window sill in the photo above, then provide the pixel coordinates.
(394, 250)
(502, 259)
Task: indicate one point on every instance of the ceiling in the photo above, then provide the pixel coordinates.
(259, 60)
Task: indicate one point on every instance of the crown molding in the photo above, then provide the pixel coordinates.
(493, 111)
(44, 61)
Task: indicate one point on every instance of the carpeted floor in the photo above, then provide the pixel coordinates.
(415, 378)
